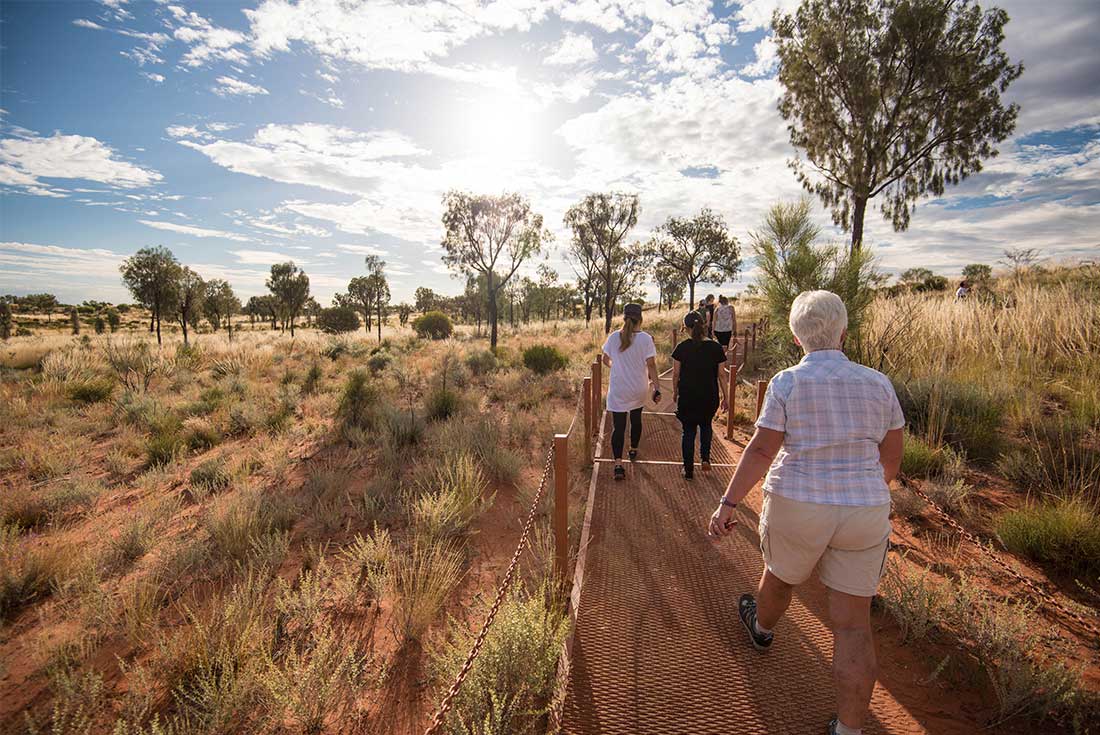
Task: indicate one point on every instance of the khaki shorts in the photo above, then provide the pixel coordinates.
(847, 543)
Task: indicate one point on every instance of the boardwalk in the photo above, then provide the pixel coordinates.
(658, 647)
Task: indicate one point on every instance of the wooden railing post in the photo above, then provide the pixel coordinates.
(597, 393)
(732, 392)
(754, 335)
(587, 390)
(746, 344)
(675, 338)
(761, 389)
(561, 508)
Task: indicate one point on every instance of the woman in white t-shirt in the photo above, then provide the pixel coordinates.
(631, 355)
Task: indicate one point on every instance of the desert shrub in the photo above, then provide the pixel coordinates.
(403, 429)
(313, 377)
(906, 503)
(139, 409)
(231, 366)
(308, 684)
(368, 563)
(79, 701)
(70, 365)
(914, 600)
(442, 403)
(132, 542)
(32, 510)
(192, 356)
(433, 325)
(1063, 533)
(301, 604)
(26, 575)
(166, 443)
(238, 523)
(245, 417)
(211, 476)
(134, 363)
(338, 320)
(1057, 458)
(952, 496)
(378, 362)
(920, 458)
(543, 359)
(962, 414)
(421, 581)
(90, 390)
(481, 438)
(512, 679)
(201, 435)
(210, 399)
(335, 349)
(359, 403)
(454, 499)
(286, 406)
(481, 362)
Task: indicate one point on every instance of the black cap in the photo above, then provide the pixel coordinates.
(692, 319)
(634, 311)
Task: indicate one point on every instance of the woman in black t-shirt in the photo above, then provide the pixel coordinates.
(695, 388)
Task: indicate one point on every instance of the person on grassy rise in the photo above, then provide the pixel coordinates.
(829, 438)
(695, 387)
(632, 357)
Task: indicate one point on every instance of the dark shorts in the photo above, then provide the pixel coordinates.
(723, 338)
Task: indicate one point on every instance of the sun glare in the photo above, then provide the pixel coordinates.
(499, 129)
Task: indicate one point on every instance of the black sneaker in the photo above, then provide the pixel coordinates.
(620, 473)
(746, 609)
(686, 473)
(632, 454)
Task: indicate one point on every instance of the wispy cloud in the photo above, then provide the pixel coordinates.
(193, 231)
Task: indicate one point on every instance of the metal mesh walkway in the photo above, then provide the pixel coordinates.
(658, 647)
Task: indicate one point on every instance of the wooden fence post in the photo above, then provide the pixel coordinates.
(761, 389)
(732, 396)
(561, 508)
(746, 344)
(587, 389)
(675, 337)
(754, 335)
(597, 393)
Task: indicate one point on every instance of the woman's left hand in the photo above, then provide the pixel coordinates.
(721, 522)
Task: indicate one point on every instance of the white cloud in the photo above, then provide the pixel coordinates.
(208, 43)
(194, 231)
(155, 78)
(574, 49)
(755, 15)
(362, 249)
(71, 273)
(263, 257)
(25, 161)
(228, 86)
(767, 58)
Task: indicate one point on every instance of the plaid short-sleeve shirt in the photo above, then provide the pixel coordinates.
(833, 413)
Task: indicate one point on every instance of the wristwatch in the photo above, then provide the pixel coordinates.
(727, 503)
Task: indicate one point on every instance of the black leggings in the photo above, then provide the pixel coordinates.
(619, 419)
(706, 434)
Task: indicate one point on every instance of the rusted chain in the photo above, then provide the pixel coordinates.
(1030, 584)
(509, 576)
(576, 413)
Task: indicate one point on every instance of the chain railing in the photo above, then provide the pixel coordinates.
(1038, 591)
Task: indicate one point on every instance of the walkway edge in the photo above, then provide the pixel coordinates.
(561, 685)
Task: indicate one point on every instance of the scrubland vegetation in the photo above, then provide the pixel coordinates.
(276, 534)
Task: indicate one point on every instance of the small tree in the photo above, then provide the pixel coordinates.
(113, 319)
(337, 320)
(1020, 259)
(100, 324)
(289, 285)
(378, 288)
(977, 273)
(791, 262)
(220, 305)
(891, 99)
(699, 249)
(599, 224)
(191, 292)
(403, 312)
(152, 275)
(913, 277)
(74, 319)
(425, 299)
(5, 320)
(671, 285)
(483, 233)
(42, 303)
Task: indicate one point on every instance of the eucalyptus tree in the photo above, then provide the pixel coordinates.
(152, 275)
(289, 285)
(190, 295)
(599, 224)
(220, 305)
(891, 99)
(490, 236)
(671, 285)
(699, 249)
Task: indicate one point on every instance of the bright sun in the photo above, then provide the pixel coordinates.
(498, 129)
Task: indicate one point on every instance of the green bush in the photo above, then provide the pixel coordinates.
(201, 436)
(481, 362)
(378, 362)
(433, 325)
(1064, 533)
(359, 402)
(211, 475)
(313, 377)
(965, 415)
(338, 320)
(404, 429)
(91, 390)
(543, 359)
(1057, 458)
(166, 442)
(920, 459)
(442, 403)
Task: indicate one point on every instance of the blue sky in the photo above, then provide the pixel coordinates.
(242, 134)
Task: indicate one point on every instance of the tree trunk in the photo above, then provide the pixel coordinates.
(152, 320)
(691, 295)
(292, 326)
(379, 322)
(859, 209)
(229, 327)
(492, 311)
(183, 323)
(157, 315)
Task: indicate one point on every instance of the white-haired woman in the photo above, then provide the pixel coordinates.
(829, 438)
